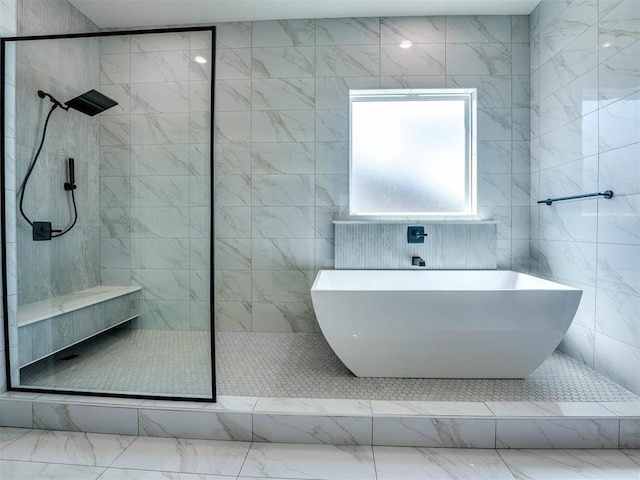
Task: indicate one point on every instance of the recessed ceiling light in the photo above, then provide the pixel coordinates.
(200, 59)
(406, 44)
(606, 45)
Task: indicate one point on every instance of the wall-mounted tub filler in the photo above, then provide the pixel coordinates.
(442, 323)
(415, 234)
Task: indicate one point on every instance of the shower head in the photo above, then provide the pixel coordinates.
(91, 103)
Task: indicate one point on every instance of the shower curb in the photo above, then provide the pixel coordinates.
(337, 422)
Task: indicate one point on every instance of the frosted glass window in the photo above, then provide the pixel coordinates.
(412, 152)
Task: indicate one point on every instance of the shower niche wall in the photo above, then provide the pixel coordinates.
(117, 302)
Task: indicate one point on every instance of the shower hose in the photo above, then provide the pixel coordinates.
(23, 186)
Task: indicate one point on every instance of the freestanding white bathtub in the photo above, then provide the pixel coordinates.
(442, 323)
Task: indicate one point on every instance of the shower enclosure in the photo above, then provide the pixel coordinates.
(107, 282)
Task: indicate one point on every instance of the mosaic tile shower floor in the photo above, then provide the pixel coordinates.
(288, 365)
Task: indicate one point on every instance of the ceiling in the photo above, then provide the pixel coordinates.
(146, 13)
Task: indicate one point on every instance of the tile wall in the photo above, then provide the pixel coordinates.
(282, 152)
(155, 175)
(585, 130)
(8, 28)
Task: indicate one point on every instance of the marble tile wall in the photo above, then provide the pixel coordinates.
(155, 175)
(282, 143)
(585, 137)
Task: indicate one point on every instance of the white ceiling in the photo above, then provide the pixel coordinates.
(146, 13)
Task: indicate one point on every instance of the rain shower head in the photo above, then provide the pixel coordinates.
(91, 103)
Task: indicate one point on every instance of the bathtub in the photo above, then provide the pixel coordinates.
(442, 323)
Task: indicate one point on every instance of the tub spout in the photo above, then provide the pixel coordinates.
(418, 262)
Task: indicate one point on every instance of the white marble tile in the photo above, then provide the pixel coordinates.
(558, 433)
(160, 97)
(570, 142)
(9, 435)
(619, 76)
(548, 409)
(282, 126)
(618, 220)
(283, 317)
(162, 284)
(115, 130)
(187, 456)
(619, 123)
(232, 253)
(431, 432)
(195, 424)
(89, 400)
(233, 285)
(76, 448)
(230, 95)
(579, 343)
(115, 68)
(283, 33)
(568, 221)
(130, 474)
(413, 81)
(347, 31)
(282, 222)
(478, 29)
(394, 463)
(630, 433)
(619, 170)
(333, 92)
(283, 94)
(282, 190)
(159, 253)
(160, 42)
(312, 429)
(570, 23)
(394, 30)
(418, 60)
(159, 191)
(233, 190)
(572, 62)
(10, 469)
(348, 61)
(227, 403)
(331, 125)
(149, 160)
(233, 63)
(282, 254)
(406, 408)
(233, 316)
(494, 156)
(282, 158)
(16, 413)
(623, 409)
(159, 128)
(233, 127)
(618, 27)
(200, 127)
(521, 91)
(85, 418)
(281, 285)
(282, 62)
(494, 124)
(478, 59)
(618, 267)
(160, 66)
(331, 462)
(573, 178)
(233, 34)
(572, 261)
(619, 361)
(493, 90)
(332, 190)
(167, 222)
(324, 406)
(569, 464)
(494, 189)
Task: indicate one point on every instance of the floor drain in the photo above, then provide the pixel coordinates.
(68, 357)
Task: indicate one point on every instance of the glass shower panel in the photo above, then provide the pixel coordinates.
(119, 300)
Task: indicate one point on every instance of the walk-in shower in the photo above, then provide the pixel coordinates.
(107, 232)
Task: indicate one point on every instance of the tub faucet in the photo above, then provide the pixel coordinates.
(418, 262)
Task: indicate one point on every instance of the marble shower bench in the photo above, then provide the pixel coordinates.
(48, 326)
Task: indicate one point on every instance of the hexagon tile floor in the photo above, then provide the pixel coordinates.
(286, 365)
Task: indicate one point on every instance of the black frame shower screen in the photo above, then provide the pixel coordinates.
(196, 139)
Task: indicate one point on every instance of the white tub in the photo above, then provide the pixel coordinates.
(442, 323)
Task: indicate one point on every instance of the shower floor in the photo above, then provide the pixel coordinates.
(286, 365)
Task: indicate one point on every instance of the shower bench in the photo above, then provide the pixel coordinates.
(51, 325)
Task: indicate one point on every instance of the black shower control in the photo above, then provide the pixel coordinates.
(41, 231)
(415, 234)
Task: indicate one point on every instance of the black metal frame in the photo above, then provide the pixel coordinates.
(606, 194)
(3, 232)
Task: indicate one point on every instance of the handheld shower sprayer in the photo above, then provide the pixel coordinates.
(42, 94)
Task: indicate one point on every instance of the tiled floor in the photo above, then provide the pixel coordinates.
(38, 454)
(288, 365)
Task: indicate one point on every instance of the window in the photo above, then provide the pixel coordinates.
(412, 152)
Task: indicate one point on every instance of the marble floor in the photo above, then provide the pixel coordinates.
(289, 365)
(36, 454)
